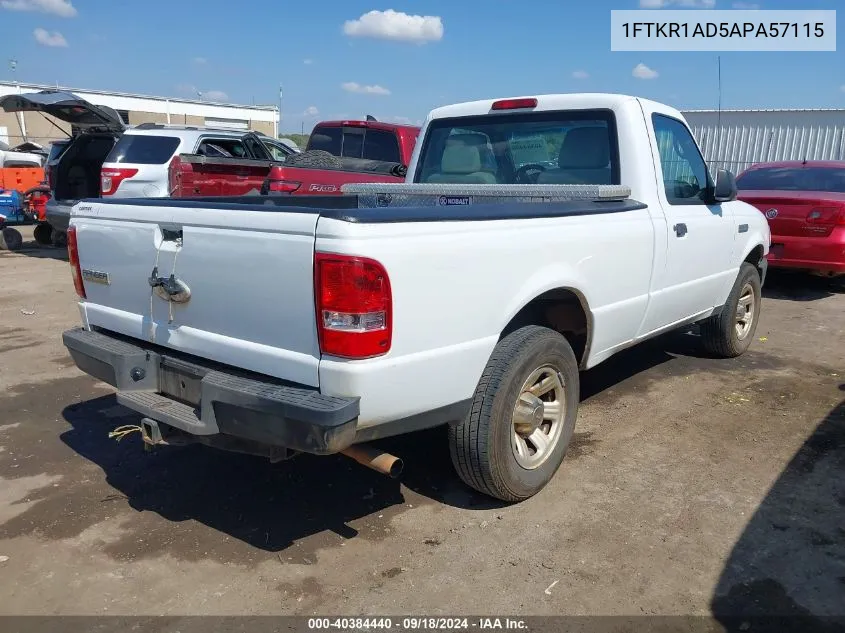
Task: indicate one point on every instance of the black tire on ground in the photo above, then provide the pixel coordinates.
(719, 333)
(59, 238)
(315, 158)
(482, 447)
(43, 234)
(10, 239)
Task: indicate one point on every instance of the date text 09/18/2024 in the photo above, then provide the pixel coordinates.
(419, 623)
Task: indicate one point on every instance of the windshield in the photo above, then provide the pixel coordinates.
(826, 179)
(563, 147)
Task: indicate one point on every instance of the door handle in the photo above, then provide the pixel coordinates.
(680, 229)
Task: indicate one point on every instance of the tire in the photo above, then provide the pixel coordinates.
(315, 158)
(720, 333)
(10, 239)
(59, 238)
(485, 446)
(43, 234)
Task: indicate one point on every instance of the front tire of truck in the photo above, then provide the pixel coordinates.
(729, 333)
(523, 414)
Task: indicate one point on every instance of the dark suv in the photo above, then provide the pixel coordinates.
(74, 173)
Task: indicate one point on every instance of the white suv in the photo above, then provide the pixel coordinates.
(137, 165)
(104, 156)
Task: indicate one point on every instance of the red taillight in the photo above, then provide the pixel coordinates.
(354, 306)
(283, 186)
(514, 104)
(111, 177)
(174, 176)
(73, 258)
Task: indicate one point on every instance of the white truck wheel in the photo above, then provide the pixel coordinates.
(522, 417)
(729, 333)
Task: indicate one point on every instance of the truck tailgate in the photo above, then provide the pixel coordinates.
(249, 275)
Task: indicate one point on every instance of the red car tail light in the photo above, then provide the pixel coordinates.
(73, 258)
(354, 306)
(283, 186)
(174, 175)
(514, 104)
(111, 177)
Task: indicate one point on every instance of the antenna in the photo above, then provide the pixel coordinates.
(719, 114)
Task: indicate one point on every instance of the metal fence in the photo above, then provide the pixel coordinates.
(735, 140)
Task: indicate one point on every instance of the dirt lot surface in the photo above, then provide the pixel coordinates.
(693, 486)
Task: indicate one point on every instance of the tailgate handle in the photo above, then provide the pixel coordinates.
(170, 234)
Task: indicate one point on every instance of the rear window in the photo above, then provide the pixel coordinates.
(563, 147)
(825, 179)
(141, 149)
(356, 142)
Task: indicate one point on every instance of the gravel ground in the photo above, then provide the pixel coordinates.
(694, 486)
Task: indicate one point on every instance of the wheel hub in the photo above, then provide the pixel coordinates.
(528, 414)
(538, 417)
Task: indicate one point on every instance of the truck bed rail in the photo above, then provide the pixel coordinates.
(421, 195)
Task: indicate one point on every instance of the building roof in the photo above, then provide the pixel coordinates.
(112, 93)
(723, 111)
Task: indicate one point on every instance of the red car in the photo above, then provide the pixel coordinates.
(804, 203)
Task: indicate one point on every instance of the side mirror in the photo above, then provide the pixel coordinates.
(725, 188)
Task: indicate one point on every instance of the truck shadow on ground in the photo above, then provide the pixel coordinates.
(33, 249)
(797, 286)
(273, 506)
(787, 570)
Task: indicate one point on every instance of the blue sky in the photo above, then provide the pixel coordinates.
(455, 50)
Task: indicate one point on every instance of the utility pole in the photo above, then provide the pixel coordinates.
(279, 124)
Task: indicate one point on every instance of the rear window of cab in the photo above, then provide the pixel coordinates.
(578, 147)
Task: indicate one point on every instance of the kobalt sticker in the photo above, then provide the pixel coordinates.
(449, 201)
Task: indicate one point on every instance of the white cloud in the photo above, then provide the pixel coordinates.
(215, 95)
(748, 6)
(62, 8)
(311, 111)
(580, 74)
(351, 86)
(395, 25)
(641, 71)
(686, 4)
(199, 60)
(45, 38)
(307, 62)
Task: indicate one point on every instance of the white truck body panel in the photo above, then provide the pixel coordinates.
(251, 282)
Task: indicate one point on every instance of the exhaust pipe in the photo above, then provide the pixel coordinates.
(378, 460)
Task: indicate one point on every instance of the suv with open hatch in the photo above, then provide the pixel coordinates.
(107, 158)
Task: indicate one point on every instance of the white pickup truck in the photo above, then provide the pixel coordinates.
(534, 237)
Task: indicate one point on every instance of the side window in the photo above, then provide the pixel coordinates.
(228, 147)
(277, 152)
(685, 176)
(256, 148)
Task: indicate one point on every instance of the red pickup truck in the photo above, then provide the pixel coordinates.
(338, 152)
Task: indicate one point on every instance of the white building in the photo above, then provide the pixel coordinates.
(135, 109)
(736, 139)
